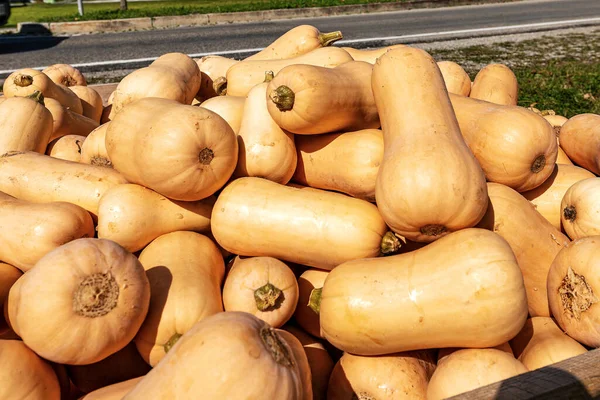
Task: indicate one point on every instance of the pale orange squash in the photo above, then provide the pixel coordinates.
(307, 311)
(91, 101)
(113, 392)
(65, 74)
(580, 209)
(66, 148)
(230, 108)
(580, 139)
(93, 150)
(67, 122)
(497, 84)
(456, 79)
(562, 157)
(8, 277)
(371, 55)
(445, 352)
(213, 70)
(557, 121)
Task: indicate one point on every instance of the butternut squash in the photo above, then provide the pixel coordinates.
(244, 354)
(296, 42)
(262, 286)
(416, 190)
(113, 392)
(25, 82)
(547, 198)
(306, 315)
(562, 157)
(392, 304)
(469, 369)
(497, 84)
(445, 352)
(173, 76)
(328, 228)
(514, 146)
(190, 155)
(66, 148)
(28, 231)
(308, 99)
(394, 377)
(265, 150)
(455, 77)
(230, 108)
(541, 343)
(580, 139)
(25, 124)
(85, 327)
(533, 240)
(557, 121)
(42, 179)
(8, 277)
(65, 74)
(185, 270)
(66, 122)
(344, 162)
(580, 208)
(370, 55)
(133, 216)
(213, 70)
(91, 102)
(93, 150)
(244, 75)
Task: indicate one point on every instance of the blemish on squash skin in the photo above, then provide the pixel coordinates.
(576, 295)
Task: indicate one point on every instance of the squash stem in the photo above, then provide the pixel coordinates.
(23, 80)
(570, 213)
(220, 86)
(283, 97)
(276, 346)
(314, 300)
(390, 244)
(329, 38)
(171, 342)
(267, 296)
(269, 75)
(37, 96)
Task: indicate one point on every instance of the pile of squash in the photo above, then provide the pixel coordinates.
(310, 222)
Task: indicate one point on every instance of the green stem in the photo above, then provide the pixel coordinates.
(171, 342)
(220, 86)
(283, 97)
(329, 38)
(390, 244)
(37, 96)
(314, 300)
(266, 296)
(269, 75)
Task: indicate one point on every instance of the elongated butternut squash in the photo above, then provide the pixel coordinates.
(244, 354)
(308, 99)
(265, 150)
(66, 122)
(370, 56)
(417, 190)
(393, 304)
(514, 146)
(213, 70)
(113, 392)
(562, 157)
(580, 139)
(25, 82)
(547, 197)
(66, 148)
(580, 209)
(25, 124)
(185, 270)
(173, 76)
(455, 77)
(133, 216)
(8, 277)
(244, 75)
(328, 228)
(533, 240)
(295, 42)
(394, 377)
(306, 315)
(344, 162)
(42, 179)
(497, 84)
(90, 101)
(28, 231)
(93, 150)
(65, 74)
(541, 343)
(230, 108)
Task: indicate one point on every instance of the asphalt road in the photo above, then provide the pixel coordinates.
(105, 51)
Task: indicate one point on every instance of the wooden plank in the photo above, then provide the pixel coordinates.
(104, 90)
(575, 378)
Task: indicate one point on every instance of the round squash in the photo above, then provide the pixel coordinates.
(93, 150)
(370, 55)
(262, 286)
(113, 392)
(230, 108)
(244, 354)
(97, 294)
(213, 70)
(25, 124)
(8, 277)
(190, 154)
(445, 352)
(306, 315)
(392, 304)
(65, 74)
(417, 192)
(91, 101)
(580, 139)
(580, 209)
(497, 84)
(67, 122)
(456, 79)
(66, 148)
(185, 270)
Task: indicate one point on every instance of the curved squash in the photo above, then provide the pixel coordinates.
(213, 70)
(262, 286)
(514, 146)
(41, 179)
(580, 209)
(8, 277)
(562, 157)
(392, 304)
(230, 108)
(113, 392)
(133, 216)
(67, 122)
(371, 55)
(191, 153)
(244, 354)
(547, 197)
(456, 79)
(306, 315)
(66, 148)
(580, 139)
(25, 124)
(541, 343)
(533, 240)
(328, 228)
(497, 84)
(185, 270)
(93, 150)
(90, 101)
(344, 162)
(309, 100)
(85, 327)
(65, 74)
(411, 97)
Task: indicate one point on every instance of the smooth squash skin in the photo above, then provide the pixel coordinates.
(113, 392)
(541, 343)
(93, 150)
(230, 108)
(85, 327)
(514, 146)
(243, 354)
(321, 229)
(25, 124)
(41, 179)
(562, 157)
(445, 352)
(189, 155)
(91, 102)
(580, 139)
(547, 197)
(395, 377)
(343, 162)
(29, 231)
(497, 84)
(65, 74)
(309, 100)
(533, 240)
(133, 216)
(391, 304)
(580, 209)
(370, 56)
(24, 375)
(67, 122)
(8, 277)
(557, 121)
(306, 315)
(66, 148)
(455, 77)
(185, 270)
(213, 70)
(417, 189)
